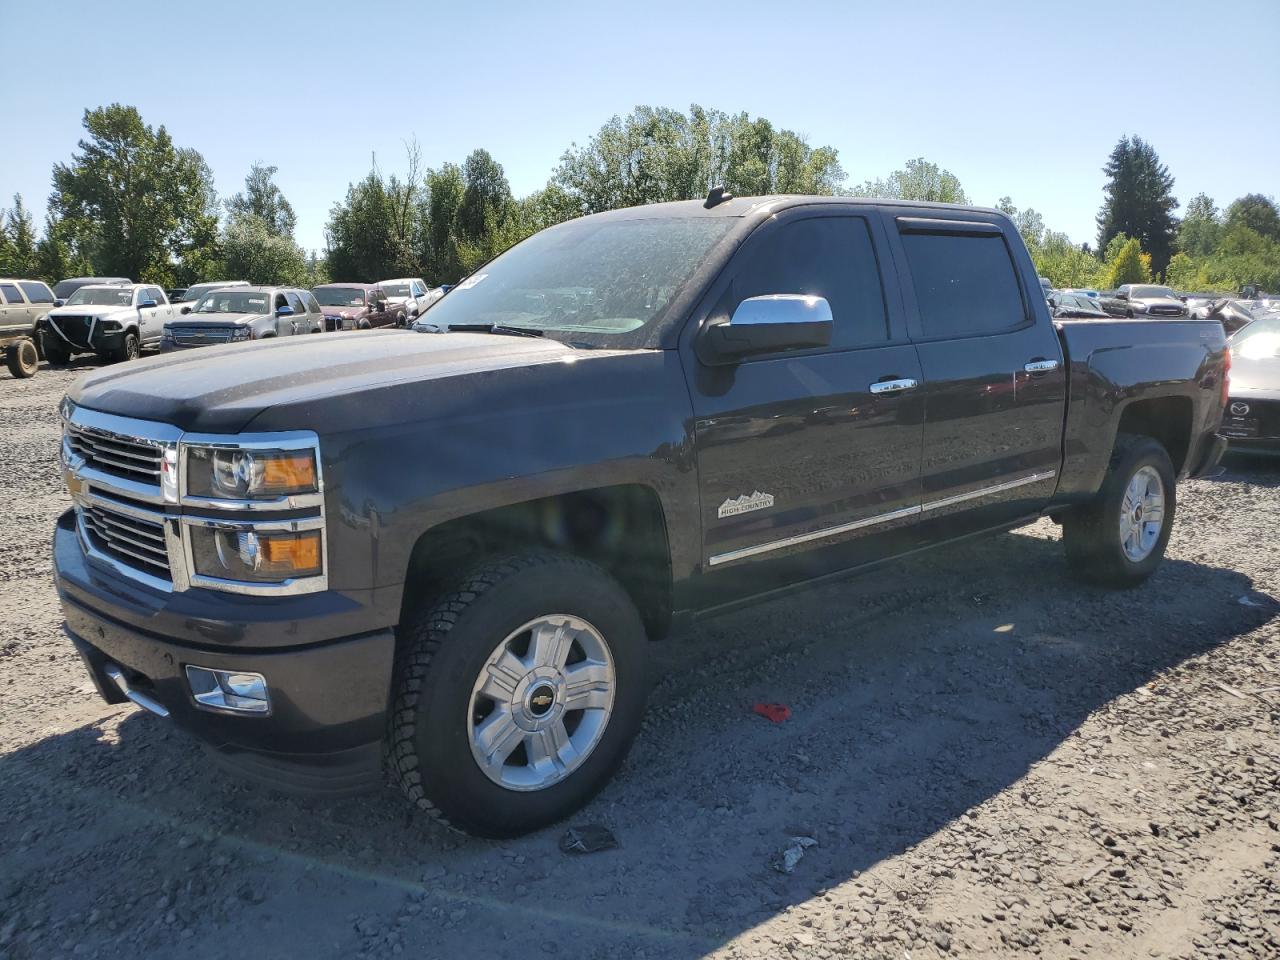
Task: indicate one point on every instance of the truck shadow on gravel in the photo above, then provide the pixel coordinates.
(917, 693)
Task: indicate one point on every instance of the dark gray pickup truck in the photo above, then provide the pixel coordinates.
(445, 554)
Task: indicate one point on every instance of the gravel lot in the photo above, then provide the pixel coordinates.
(991, 759)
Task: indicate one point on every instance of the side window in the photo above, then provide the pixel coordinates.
(965, 284)
(830, 257)
(154, 293)
(310, 301)
(280, 301)
(10, 293)
(36, 292)
(296, 302)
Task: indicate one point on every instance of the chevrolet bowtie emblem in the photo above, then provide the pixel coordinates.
(542, 699)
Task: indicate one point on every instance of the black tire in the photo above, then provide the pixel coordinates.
(22, 359)
(400, 321)
(444, 648)
(55, 351)
(1091, 534)
(130, 348)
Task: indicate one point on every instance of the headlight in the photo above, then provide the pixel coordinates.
(240, 474)
(252, 556)
(110, 326)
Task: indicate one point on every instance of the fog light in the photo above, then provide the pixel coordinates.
(229, 690)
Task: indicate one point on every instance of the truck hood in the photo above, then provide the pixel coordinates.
(1255, 377)
(216, 319)
(222, 389)
(90, 310)
(1150, 302)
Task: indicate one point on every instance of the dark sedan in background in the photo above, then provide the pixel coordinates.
(1252, 418)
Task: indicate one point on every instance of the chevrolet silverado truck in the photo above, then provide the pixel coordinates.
(444, 555)
(115, 321)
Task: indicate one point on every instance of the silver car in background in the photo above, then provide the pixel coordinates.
(236, 314)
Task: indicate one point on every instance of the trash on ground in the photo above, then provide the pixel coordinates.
(588, 838)
(774, 712)
(793, 853)
(1248, 601)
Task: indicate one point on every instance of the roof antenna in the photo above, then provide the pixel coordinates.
(717, 196)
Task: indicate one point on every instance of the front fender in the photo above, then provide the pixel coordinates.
(492, 440)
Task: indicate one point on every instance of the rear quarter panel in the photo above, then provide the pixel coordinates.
(1114, 363)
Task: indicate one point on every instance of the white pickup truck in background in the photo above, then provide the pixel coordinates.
(114, 321)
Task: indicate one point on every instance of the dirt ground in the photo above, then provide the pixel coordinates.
(992, 760)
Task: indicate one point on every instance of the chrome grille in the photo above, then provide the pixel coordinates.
(131, 540)
(1161, 311)
(200, 336)
(118, 455)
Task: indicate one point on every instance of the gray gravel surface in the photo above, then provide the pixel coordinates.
(991, 759)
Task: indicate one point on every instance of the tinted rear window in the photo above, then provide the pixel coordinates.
(36, 292)
(965, 285)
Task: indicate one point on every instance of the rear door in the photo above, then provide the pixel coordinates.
(995, 385)
(806, 463)
(298, 322)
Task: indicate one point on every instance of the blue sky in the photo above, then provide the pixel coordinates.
(1016, 98)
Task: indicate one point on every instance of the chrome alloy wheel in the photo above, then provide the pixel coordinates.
(541, 703)
(1142, 514)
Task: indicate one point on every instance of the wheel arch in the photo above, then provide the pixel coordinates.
(1168, 420)
(621, 528)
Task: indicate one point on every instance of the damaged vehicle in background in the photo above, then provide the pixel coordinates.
(407, 297)
(113, 321)
(1252, 419)
(235, 314)
(1231, 313)
(1075, 306)
(353, 306)
(23, 303)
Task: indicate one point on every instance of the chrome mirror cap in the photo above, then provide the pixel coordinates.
(782, 308)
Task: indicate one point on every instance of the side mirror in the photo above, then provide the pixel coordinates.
(185, 310)
(144, 304)
(1121, 296)
(285, 311)
(768, 324)
(59, 302)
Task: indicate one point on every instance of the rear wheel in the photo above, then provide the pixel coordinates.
(518, 694)
(22, 359)
(1120, 538)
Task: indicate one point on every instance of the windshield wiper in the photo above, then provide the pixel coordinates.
(496, 328)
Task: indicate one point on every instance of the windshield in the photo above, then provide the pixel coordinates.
(395, 290)
(339, 296)
(233, 301)
(1147, 291)
(595, 282)
(102, 296)
(1259, 340)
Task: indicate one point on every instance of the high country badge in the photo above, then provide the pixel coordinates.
(745, 504)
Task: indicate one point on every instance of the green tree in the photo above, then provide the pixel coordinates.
(253, 250)
(1030, 224)
(445, 187)
(360, 243)
(263, 199)
(1256, 212)
(17, 241)
(1244, 256)
(1064, 263)
(657, 154)
(1125, 263)
(486, 196)
(1138, 200)
(1183, 272)
(133, 201)
(1201, 228)
(918, 180)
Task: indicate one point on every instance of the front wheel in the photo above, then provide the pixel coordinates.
(54, 351)
(130, 349)
(518, 694)
(22, 359)
(1120, 538)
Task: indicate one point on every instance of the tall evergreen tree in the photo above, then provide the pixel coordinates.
(1201, 227)
(1138, 200)
(263, 199)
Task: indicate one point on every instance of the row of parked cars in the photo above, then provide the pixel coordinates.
(1251, 421)
(116, 318)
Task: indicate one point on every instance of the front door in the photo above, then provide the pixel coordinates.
(995, 382)
(807, 463)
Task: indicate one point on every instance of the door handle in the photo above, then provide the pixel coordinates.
(1040, 366)
(894, 386)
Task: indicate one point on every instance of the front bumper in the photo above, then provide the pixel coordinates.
(324, 732)
(95, 340)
